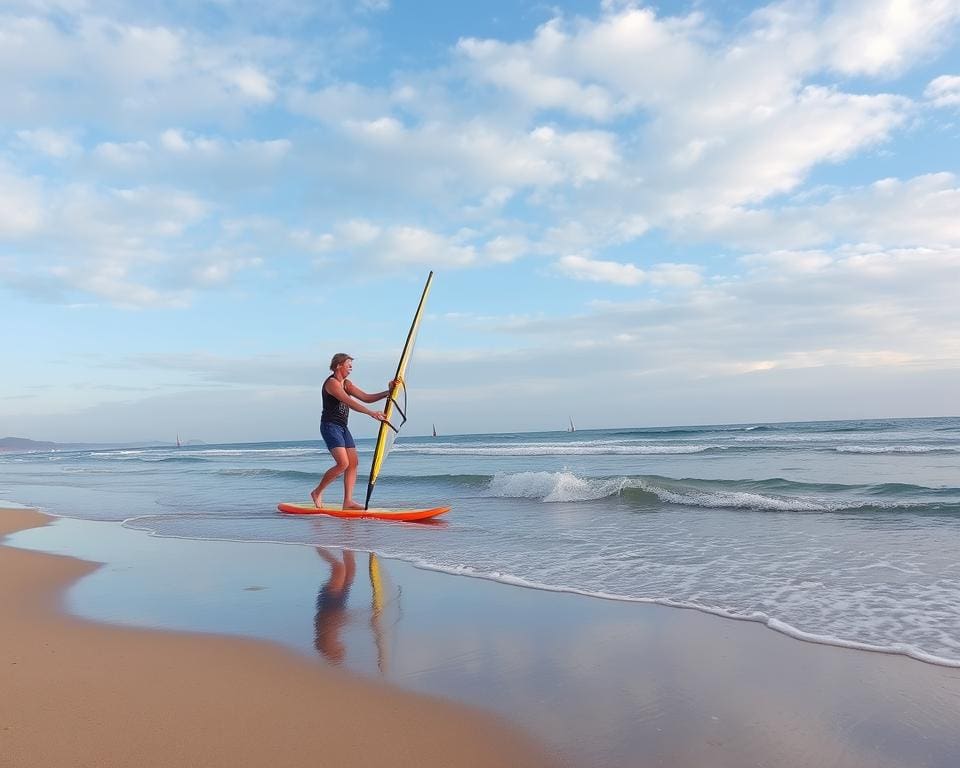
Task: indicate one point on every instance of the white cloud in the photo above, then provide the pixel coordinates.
(116, 72)
(891, 212)
(251, 82)
(516, 68)
(944, 91)
(225, 165)
(338, 102)
(400, 245)
(582, 268)
(123, 154)
(844, 308)
(601, 271)
(49, 142)
(585, 134)
(871, 37)
(120, 245)
(220, 271)
(506, 248)
(21, 204)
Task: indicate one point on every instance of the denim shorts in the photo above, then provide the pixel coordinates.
(336, 435)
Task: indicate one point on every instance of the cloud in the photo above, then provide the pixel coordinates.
(785, 310)
(599, 271)
(470, 158)
(21, 203)
(58, 144)
(889, 212)
(944, 91)
(517, 69)
(119, 245)
(397, 246)
(586, 134)
(109, 71)
(870, 37)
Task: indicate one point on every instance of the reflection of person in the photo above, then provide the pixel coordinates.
(339, 396)
(332, 605)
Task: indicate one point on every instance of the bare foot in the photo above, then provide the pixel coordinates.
(352, 505)
(317, 501)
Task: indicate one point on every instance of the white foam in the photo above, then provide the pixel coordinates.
(777, 625)
(552, 486)
(4, 504)
(872, 449)
(566, 486)
(556, 449)
(737, 500)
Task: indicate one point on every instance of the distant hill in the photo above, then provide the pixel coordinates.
(25, 445)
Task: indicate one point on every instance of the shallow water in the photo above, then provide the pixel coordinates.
(842, 532)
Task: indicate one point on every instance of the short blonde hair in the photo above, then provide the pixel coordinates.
(339, 359)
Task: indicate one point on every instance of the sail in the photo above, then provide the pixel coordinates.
(396, 407)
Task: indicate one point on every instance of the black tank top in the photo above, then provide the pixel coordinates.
(334, 411)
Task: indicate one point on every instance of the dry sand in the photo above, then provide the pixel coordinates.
(75, 693)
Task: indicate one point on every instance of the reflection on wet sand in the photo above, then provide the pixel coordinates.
(332, 614)
(616, 684)
(606, 683)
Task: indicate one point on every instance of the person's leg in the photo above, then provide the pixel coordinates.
(340, 466)
(349, 479)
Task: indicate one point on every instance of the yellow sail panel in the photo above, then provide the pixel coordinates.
(396, 407)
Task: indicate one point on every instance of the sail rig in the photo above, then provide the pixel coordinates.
(396, 415)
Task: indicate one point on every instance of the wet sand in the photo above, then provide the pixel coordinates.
(76, 693)
(596, 682)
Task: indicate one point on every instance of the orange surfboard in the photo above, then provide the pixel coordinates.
(293, 508)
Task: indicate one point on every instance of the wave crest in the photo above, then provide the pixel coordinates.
(647, 492)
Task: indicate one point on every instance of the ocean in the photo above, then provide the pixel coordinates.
(840, 532)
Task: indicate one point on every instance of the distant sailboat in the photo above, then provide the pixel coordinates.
(572, 428)
(434, 430)
(178, 439)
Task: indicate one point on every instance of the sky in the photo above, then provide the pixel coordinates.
(637, 214)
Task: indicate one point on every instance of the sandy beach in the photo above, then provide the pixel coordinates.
(260, 663)
(77, 693)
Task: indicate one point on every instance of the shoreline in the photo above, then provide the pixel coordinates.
(78, 692)
(771, 623)
(596, 682)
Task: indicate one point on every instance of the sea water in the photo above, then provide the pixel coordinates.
(844, 532)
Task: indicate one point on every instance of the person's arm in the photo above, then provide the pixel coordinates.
(354, 391)
(336, 389)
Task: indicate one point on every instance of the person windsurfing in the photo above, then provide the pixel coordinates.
(340, 396)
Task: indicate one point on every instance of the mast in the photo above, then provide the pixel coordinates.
(387, 428)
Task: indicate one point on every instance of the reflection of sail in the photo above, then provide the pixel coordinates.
(395, 413)
(376, 613)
